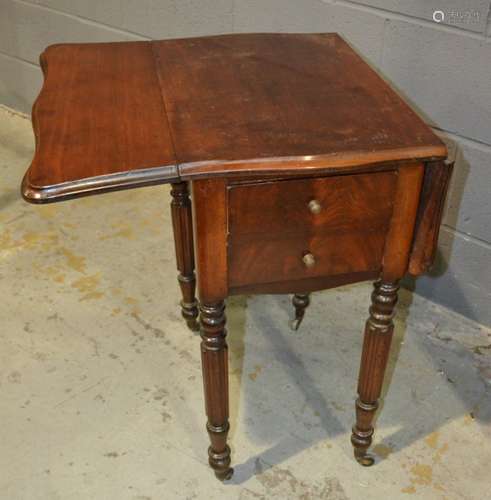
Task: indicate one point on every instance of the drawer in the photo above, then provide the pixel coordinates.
(339, 203)
(283, 259)
(273, 237)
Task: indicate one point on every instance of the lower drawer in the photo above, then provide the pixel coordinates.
(254, 261)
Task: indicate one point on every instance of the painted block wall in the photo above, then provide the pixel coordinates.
(443, 68)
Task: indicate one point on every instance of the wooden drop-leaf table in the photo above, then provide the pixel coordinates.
(307, 171)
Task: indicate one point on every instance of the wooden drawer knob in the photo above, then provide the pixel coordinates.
(315, 207)
(308, 260)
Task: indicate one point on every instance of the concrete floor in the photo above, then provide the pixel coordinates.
(101, 394)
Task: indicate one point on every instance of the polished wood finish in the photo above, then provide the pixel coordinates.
(183, 238)
(99, 122)
(378, 335)
(379, 327)
(210, 223)
(275, 237)
(214, 358)
(210, 226)
(298, 101)
(307, 171)
(300, 104)
(435, 185)
(399, 238)
(281, 258)
(346, 203)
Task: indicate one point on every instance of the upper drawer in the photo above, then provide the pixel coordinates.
(361, 202)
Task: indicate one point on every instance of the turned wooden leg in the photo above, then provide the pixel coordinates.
(214, 358)
(378, 336)
(183, 239)
(300, 301)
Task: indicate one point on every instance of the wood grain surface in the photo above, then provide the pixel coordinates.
(271, 227)
(247, 102)
(360, 202)
(430, 211)
(99, 122)
(122, 115)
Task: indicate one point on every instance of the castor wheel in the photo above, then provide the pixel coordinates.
(300, 301)
(193, 325)
(224, 475)
(364, 458)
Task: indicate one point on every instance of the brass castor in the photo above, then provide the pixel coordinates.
(364, 458)
(300, 301)
(220, 463)
(361, 441)
(193, 324)
(224, 475)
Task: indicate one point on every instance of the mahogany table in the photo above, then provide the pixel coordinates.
(307, 171)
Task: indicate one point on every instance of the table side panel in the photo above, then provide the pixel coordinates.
(209, 202)
(430, 211)
(401, 232)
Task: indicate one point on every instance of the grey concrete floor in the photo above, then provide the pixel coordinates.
(100, 383)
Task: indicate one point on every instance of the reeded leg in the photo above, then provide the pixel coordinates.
(300, 301)
(214, 358)
(183, 239)
(378, 336)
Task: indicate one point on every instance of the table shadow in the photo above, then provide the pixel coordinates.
(415, 417)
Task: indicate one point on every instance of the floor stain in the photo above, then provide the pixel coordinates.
(131, 301)
(257, 370)
(51, 272)
(75, 262)
(28, 240)
(432, 440)
(423, 474)
(47, 211)
(409, 489)
(88, 287)
(439, 453)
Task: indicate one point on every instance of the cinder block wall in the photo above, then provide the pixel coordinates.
(443, 69)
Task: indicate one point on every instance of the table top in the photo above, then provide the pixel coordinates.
(126, 114)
